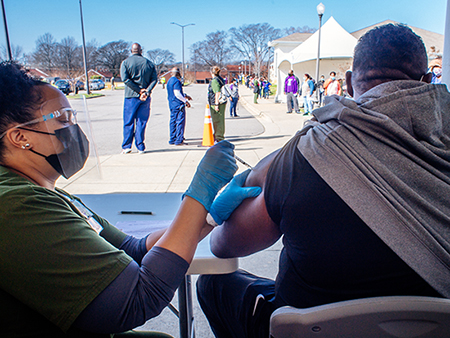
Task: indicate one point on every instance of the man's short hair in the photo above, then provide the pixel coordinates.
(333, 72)
(391, 51)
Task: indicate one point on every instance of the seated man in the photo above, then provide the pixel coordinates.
(361, 196)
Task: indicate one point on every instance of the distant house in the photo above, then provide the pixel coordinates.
(227, 72)
(434, 42)
(37, 73)
(92, 73)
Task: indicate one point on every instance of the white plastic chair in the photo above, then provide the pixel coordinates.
(378, 317)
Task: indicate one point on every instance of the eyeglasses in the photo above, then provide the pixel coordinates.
(64, 115)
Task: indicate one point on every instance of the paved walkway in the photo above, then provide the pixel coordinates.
(172, 171)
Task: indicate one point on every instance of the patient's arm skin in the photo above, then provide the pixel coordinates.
(249, 228)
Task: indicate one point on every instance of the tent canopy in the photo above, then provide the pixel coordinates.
(335, 43)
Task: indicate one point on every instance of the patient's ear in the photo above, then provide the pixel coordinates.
(348, 82)
(426, 78)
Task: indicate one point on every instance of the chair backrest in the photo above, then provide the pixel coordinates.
(378, 317)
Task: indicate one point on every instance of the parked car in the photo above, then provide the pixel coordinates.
(96, 84)
(64, 86)
(79, 85)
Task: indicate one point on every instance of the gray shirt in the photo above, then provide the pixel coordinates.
(138, 73)
(387, 155)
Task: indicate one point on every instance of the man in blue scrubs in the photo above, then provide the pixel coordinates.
(177, 103)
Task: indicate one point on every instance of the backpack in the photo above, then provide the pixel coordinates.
(314, 83)
(223, 92)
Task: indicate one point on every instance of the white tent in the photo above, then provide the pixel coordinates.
(335, 43)
(336, 54)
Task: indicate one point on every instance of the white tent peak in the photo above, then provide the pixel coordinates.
(335, 43)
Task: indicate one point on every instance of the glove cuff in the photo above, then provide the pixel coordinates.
(210, 220)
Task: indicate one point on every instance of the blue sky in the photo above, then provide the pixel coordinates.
(148, 21)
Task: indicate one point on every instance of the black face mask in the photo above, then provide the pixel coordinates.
(75, 153)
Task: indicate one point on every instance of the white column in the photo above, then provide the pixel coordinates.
(446, 56)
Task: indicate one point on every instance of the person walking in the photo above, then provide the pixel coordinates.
(234, 98)
(139, 76)
(113, 82)
(216, 105)
(307, 92)
(178, 101)
(291, 90)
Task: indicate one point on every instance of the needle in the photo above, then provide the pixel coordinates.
(243, 162)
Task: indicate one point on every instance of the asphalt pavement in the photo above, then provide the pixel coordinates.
(261, 129)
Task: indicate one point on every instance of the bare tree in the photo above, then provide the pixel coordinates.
(161, 58)
(16, 53)
(304, 29)
(68, 58)
(251, 42)
(91, 54)
(215, 50)
(112, 54)
(44, 54)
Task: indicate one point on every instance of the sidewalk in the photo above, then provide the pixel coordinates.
(172, 171)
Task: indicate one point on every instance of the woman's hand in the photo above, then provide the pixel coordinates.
(233, 195)
(214, 171)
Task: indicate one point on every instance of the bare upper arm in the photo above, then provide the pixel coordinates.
(249, 229)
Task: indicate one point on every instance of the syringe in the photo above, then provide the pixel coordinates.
(243, 162)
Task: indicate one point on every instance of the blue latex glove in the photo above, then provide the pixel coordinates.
(232, 197)
(214, 171)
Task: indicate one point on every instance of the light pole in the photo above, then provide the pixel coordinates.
(84, 51)
(182, 41)
(8, 45)
(320, 11)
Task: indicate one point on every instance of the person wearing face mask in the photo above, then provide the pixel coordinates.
(360, 196)
(332, 85)
(65, 271)
(234, 98)
(178, 101)
(435, 67)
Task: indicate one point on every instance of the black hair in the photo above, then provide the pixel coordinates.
(18, 97)
(390, 52)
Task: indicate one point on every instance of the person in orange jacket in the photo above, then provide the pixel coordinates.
(332, 85)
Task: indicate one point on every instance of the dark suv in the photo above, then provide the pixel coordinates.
(64, 86)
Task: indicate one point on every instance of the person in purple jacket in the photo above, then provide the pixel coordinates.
(291, 90)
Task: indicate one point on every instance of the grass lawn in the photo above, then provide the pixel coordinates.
(79, 96)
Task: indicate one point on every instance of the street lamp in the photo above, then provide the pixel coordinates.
(84, 51)
(8, 45)
(320, 11)
(182, 41)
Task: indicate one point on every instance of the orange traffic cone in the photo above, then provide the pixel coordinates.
(208, 137)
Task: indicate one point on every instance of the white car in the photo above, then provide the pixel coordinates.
(96, 84)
